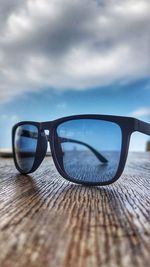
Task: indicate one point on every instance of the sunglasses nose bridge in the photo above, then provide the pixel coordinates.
(46, 125)
(46, 128)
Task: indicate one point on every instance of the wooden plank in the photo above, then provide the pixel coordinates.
(47, 221)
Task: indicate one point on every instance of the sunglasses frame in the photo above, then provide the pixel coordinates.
(128, 125)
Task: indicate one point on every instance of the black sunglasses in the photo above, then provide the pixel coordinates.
(86, 149)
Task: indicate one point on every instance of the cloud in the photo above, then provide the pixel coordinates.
(65, 44)
(141, 112)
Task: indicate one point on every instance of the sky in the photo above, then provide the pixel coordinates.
(62, 57)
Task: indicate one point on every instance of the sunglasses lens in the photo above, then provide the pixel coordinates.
(91, 149)
(25, 144)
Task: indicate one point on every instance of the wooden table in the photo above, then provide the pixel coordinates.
(47, 221)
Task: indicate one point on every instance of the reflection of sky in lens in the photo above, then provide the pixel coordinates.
(24, 143)
(101, 135)
(25, 147)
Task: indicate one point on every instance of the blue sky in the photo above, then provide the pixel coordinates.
(127, 100)
(65, 57)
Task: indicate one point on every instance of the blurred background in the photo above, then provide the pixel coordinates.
(62, 57)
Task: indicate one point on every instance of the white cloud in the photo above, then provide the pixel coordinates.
(72, 44)
(141, 112)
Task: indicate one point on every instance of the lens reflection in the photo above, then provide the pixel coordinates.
(91, 149)
(25, 143)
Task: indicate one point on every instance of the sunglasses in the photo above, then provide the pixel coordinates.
(86, 149)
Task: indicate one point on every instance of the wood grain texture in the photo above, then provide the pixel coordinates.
(46, 221)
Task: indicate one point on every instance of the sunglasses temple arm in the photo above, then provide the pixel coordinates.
(143, 127)
(100, 157)
(95, 152)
